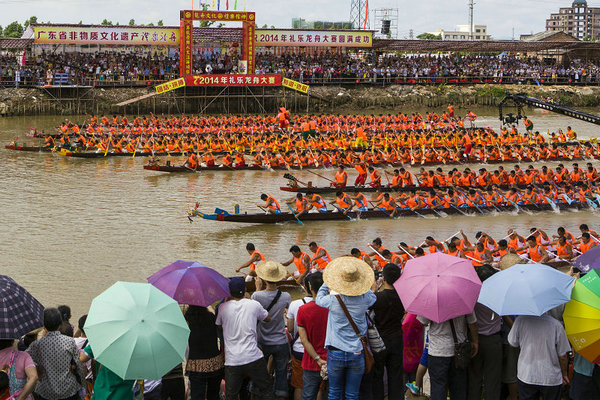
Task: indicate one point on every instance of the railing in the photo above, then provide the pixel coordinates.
(323, 80)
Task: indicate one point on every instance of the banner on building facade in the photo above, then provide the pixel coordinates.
(119, 35)
(312, 38)
(295, 85)
(171, 85)
(233, 80)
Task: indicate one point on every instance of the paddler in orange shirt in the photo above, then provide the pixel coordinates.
(361, 179)
(341, 178)
(320, 257)
(271, 205)
(301, 204)
(255, 257)
(302, 262)
(375, 177)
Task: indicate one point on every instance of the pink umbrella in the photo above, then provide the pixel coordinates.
(438, 286)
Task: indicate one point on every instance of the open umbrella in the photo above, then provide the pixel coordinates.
(588, 260)
(582, 317)
(526, 289)
(136, 331)
(20, 312)
(192, 283)
(438, 286)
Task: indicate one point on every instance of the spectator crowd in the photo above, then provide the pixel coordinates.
(323, 68)
(268, 346)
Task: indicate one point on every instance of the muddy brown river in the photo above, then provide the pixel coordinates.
(72, 227)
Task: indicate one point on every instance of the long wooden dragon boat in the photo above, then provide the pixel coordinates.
(263, 218)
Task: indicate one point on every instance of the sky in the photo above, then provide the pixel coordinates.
(501, 17)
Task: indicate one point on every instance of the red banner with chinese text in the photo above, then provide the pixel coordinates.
(233, 80)
(186, 48)
(201, 15)
(248, 45)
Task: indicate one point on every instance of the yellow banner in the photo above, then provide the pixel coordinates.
(313, 38)
(121, 35)
(289, 83)
(171, 85)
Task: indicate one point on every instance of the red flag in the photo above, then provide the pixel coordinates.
(227, 5)
(366, 15)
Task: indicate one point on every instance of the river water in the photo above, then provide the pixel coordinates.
(72, 227)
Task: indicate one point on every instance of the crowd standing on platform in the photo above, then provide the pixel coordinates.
(320, 68)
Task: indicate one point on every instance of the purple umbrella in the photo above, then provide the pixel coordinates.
(588, 260)
(438, 286)
(192, 283)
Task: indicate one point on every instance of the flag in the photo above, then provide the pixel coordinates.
(213, 4)
(244, 5)
(218, 4)
(227, 4)
(235, 5)
(366, 15)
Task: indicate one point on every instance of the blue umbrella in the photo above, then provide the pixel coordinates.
(588, 260)
(526, 289)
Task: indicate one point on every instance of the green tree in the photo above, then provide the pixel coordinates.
(0, 30)
(150, 24)
(205, 24)
(429, 36)
(160, 23)
(31, 20)
(131, 22)
(13, 30)
(106, 22)
(80, 22)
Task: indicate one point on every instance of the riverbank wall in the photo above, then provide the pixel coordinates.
(321, 99)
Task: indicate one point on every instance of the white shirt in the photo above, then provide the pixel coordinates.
(238, 319)
(293, 313)
(542, 340)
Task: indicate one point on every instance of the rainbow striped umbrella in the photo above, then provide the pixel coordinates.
(582, 317)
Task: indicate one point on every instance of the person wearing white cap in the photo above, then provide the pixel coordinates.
(348, 283)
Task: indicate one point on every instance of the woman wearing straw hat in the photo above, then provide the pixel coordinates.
(348, 283)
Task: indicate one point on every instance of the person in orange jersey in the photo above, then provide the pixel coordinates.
(255, 257)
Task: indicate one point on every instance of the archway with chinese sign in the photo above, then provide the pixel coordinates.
(187, 18)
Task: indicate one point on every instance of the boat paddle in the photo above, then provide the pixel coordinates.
(294, 214)
(342, 211)
(321, 176)
(402, 248)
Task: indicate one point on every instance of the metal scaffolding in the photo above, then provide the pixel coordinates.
(358, 13)
(386, 14)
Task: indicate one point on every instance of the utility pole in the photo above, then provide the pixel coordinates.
(471, 27)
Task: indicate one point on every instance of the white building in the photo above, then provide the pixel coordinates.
(462, 33)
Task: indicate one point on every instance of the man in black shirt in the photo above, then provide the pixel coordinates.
(389, 313)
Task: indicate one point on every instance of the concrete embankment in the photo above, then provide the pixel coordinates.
(326, 99)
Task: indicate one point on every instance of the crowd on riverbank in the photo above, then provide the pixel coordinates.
(350, 336)
(90, 68)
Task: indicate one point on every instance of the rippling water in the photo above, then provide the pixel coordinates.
(71, 227)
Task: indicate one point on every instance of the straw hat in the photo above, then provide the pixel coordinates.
(349, 276)
(510, 259)
(270, 271)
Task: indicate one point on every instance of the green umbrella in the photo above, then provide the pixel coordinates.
(136, 331)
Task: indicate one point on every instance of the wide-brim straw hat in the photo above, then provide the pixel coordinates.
(349, 276)
(510, 259)
(271, 271)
